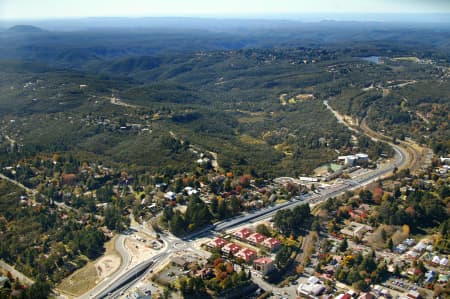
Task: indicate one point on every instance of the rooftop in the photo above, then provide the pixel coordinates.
(263, 260)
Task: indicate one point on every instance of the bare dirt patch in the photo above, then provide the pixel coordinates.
(138, 250)
(107, 265)
(250, 140)
(87, 277)
(79, 282)
(295, 99)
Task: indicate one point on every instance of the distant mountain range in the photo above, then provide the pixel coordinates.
(221, 23)
(116, 42)
(25, 29)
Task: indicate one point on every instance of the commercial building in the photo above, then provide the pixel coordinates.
(351, 160)
(314, 287)
(355, 229)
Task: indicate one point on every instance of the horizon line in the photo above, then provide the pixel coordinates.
(243, 16)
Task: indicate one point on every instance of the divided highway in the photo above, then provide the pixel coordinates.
(400, 158)
(110, 288)
(108, 282)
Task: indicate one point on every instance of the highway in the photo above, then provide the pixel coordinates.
(109, 281)
(400, 158)
(334, 190)
(124, 277)
(128, 278)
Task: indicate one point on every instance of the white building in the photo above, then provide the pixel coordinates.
(350, 160)
(314, 287)
(170, 195)
(355, 229)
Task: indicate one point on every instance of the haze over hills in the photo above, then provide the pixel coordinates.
(93, 40)
(25, 29)
(233, 21)
(152, 132)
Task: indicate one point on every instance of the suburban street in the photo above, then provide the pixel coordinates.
(173, 243)
(225, 149)
(125, 276)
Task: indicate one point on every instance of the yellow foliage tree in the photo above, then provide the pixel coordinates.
(406, 230)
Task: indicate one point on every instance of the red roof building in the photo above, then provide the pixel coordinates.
(256, 238)
(231, 248)
(271, 243)
(217, 243)
(366, 296)
(358, 215)
(246, 254)
(263, 265)
(242, 234)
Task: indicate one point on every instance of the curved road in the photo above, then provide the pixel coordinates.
(412, 155)
(121, 283)
(106, 282)
(331, 191)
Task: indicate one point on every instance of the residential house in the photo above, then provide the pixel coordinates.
(401, 248)
(409, 242)
(443, 278)
(256, 238)
(190, 191)
(242, 234)
(216, 243)
(413, 294)
(429, 276)
(366, 296)
(170, 195)
(264, 265)
(412, 254)
(435, 260)
(420, 247)
(179, 261)
(358, 215)
(205, 273)
(381, 292)
(246, 254)
(231, 248)
(272, 244)
(139, 294)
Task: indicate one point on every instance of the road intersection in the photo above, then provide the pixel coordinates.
(122, 279)
(125, 277)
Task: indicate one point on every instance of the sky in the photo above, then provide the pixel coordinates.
(48, 9)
